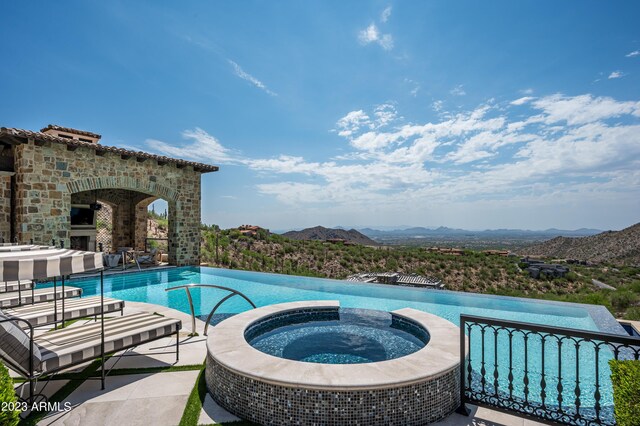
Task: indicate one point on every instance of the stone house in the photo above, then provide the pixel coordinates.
(52, 180)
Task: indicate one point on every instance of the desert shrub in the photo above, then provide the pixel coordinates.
(622, 299)
(633, 314)
(625, 376)
(7, 395)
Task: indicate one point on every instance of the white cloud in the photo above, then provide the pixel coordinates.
(385, 114)
(372, 34)
(566, 149)
(201, 147)
(582, 109)
(386, 13)
(632, 54)
(352, 122)
(237, 69)
(523, 100)
(616, 74)
(528, 91)
(458, 90)
(437, 105)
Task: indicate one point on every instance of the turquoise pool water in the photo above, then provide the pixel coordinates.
(265, 289)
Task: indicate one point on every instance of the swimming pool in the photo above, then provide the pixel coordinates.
(266, 289)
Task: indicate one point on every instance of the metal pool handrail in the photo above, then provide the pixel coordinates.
(224, 299)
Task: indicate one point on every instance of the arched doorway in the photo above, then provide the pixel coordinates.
(128, 201)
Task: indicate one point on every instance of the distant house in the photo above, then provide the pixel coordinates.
(503, 253)
(446, 250)
(549, 270)
(250, 230)
(536, 268)
(340, 241)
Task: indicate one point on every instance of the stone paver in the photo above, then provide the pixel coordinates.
(481, 416)
(213, 413)
(157, 399)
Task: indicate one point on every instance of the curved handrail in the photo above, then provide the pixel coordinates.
(187, 287)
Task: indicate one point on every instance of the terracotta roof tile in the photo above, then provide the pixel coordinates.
(70, 130)
(25, 134)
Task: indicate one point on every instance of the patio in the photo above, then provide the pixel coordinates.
(146, 386)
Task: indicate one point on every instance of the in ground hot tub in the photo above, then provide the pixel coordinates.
(312, 362)
(337, 336)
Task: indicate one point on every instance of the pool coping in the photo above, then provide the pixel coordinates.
(227, 345)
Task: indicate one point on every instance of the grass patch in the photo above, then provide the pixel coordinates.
(148, 370)
(193, 408)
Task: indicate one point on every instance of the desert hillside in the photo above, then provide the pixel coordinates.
(616, 247)
(320, 233)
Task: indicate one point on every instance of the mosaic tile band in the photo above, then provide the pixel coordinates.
(271, 404)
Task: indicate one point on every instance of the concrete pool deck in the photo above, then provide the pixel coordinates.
(159, 398)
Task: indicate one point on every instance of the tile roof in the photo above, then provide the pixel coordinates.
(70, 130)
(13, 133)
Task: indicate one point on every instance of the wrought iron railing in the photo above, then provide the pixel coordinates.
(555, 374)
(188, 287)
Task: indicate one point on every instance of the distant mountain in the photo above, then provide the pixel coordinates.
(444, 232)
(321, 233)
(619, 247)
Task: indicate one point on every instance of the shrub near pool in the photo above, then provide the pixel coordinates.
(625, 376)
(7, 397)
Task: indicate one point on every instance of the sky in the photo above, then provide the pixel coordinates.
(467, 114)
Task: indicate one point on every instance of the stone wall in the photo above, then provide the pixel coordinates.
(48, 174)
(5, 208)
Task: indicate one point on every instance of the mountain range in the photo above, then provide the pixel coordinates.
(443, 231)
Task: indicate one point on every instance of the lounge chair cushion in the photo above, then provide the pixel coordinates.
(74, 345)
(15, 285)
(14, 346)
(40, 295)
(43, 313)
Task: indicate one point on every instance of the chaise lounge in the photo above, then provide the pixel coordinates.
(45, 313)
(17, 298)
(34, 357)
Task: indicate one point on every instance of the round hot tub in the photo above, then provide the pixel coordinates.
(332, 336)
(312, 362)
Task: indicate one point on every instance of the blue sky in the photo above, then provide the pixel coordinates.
(466, 114)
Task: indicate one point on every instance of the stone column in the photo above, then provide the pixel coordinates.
(141, 216)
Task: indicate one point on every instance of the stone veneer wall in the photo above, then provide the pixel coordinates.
(271, 404)
(5, 208)
(48, 174)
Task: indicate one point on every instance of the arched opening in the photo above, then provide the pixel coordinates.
(121, 220)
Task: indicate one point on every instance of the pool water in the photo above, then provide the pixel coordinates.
(266, 289)
(345, 336)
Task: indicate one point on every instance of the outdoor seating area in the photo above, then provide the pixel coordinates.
(38, 353)
(128, 257)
